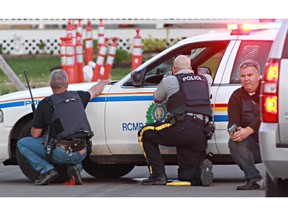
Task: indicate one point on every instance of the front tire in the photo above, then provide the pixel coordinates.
(25, 166)
(33, 175)
(106, 170)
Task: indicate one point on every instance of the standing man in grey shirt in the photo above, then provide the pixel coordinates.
(187, 98)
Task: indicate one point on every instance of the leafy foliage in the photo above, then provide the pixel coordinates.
(154, 44)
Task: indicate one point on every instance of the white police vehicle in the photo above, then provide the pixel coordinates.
(126, 105)
(273, 132)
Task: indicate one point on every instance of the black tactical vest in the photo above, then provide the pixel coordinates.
(192, 97)
(69, 117)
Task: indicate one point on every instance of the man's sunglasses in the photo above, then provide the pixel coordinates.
(249, 63)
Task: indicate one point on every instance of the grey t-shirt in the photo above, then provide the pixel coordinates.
(169, 86)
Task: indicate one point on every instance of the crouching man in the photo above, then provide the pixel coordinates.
(62, 119)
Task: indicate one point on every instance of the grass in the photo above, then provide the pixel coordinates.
(38, 69)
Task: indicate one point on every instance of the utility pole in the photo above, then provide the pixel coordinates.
(10, 74)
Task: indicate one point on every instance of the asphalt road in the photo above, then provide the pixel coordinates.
(13, 183)
(126, 195)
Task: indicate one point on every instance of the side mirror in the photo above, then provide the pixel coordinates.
(137, 78)
(205, 71)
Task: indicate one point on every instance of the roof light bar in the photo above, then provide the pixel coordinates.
(245, 28)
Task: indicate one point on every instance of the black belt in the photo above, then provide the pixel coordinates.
(75, 144)
(203, 118)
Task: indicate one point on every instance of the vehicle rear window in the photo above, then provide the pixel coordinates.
(256, 50)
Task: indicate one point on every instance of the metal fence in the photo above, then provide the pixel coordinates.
(34, 36)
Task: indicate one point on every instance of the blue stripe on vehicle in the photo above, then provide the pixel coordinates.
(12, 104)
(220, 118)
(122, 98)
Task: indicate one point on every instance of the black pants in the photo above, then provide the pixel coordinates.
(188, 137)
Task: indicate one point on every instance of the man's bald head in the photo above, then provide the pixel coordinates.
(182, 62)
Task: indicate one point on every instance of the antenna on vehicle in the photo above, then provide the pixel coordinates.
(32, 99)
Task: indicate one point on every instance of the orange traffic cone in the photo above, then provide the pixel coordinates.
(79, 57)
(63, 53)
(89, 43)
(137, 50)
(101, 38)
(70, 60)
(110, 59)
(100, 61)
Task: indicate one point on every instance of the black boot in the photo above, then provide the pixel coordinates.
(74, 174)
(47, 177)
(160, 179)
(206, 174)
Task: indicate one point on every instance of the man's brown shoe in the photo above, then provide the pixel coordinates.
(249, 185)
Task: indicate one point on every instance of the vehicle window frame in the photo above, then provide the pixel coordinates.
(186, 50)
(285, 48)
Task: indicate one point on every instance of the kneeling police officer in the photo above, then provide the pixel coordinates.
(188, 101)
(64, 113)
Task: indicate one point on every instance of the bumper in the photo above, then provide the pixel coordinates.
(4, 142)
(274, 158)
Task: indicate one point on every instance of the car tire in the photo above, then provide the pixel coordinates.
(33, 175)
(25, 166)
(25, 129)
(276, 188)
(106, 170)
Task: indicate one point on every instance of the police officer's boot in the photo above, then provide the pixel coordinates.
(74, 174)
(206, 174)
(47, 177)
(156, 179)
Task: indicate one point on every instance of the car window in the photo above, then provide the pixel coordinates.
(155, 75)
(213, 62)
(256, 50)
(203, 54)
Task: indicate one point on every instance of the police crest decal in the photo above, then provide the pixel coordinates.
(156, 113)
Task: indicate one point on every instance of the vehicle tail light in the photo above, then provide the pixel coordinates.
(269, 92)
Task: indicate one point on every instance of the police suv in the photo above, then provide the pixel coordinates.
(273, 132)
(127, 105)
